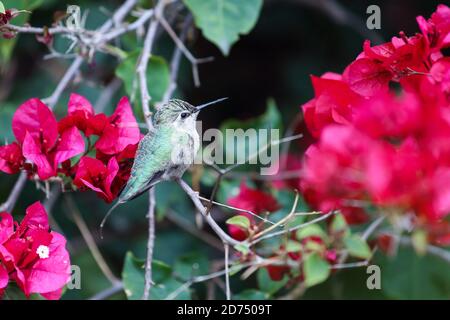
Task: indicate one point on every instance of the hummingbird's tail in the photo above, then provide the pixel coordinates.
(102, 224)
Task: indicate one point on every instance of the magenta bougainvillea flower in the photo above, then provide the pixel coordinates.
(46, 148)
(79, 112)
(436, 30)
(11, 158)
(380, 147)
(94, 175)
(32, 255)
(121, 130)
(332, 103)
(36, 129)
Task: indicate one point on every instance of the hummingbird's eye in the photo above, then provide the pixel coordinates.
(184, 115)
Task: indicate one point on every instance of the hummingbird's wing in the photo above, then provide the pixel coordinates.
(152, 159)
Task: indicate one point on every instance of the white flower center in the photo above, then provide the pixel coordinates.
(43, 252)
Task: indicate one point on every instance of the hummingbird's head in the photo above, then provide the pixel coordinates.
(176, 112)
(179, 113)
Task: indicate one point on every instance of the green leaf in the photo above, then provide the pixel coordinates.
(242, 248)
(293, 246)
(411, 277)
(158, 76)
(285, 198)
(316, 270)
(315, 246)
(311, 230)
(241, 222)
(250, 294)
(133, 277)
(2, 7)
(339, 224)
(357, 247)
(222, 21)
(191, 265)
(267, 285)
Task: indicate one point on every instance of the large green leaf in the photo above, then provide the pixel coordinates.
(316, 270)
(191, 265)
(357, 247)
(133, 277)
(241, 222)
(222, 21)
(158, 77)
(409, 276)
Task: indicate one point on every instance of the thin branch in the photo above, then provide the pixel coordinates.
(87, 236)
(175, 61)
(38, 30)
(213, 224)
(226, 246)
(118, 16)
(70, 73)
(289, 132)
(150, 245)
(102, 295)
(145, 99)
(10, 203)
(180, 44)
(107, 94)
(372, 227)
(282, 222)
(207, 277)
(146, 15)
(143, 63)
(190, 228)
(433, 250)
(237, 209)
(289, 230)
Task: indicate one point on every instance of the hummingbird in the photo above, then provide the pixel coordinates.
(165, 152)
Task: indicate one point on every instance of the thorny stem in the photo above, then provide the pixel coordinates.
(227, 272)
(150, 245)
(289, 230)
(143, 63)
(145, 100)
(282, 221)
(237, 209)
(180, 44)
(212, 223)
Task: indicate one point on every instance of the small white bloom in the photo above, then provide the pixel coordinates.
(43, 252)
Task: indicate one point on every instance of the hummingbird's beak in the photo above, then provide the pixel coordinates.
(209, 103)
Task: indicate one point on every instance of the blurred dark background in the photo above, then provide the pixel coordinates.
(292, 40)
